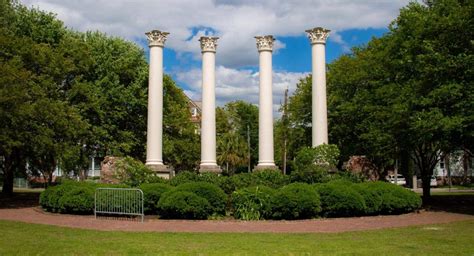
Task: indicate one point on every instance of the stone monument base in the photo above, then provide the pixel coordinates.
(210, 168)
(161, 170)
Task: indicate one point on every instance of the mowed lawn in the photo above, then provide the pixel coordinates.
(444, 239)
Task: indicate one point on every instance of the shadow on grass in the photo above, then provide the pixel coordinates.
(455, 203)
(19, 200)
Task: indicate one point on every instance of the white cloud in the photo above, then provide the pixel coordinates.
(234, 84)
(235, 22)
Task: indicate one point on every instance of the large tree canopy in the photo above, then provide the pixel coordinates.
(66, 96)
(407, 93)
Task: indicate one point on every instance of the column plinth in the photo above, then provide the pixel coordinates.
(208, 113)
(318, 37)
(154, 151)
(265, 109)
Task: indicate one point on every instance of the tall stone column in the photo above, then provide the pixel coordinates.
(265, 109)
(208, 114)
(318, 37)
(154, 150)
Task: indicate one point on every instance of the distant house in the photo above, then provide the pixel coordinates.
(461, 166)
(195, 109)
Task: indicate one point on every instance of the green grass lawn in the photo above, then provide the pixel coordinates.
(27, 239)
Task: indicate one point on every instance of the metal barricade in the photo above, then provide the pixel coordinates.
(119, 201)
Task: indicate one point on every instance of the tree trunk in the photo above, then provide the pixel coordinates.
(8, 177)
(425, 183)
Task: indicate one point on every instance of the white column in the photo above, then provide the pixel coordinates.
(208, 114)
(265, 109)
(154, 151)
(318, 37)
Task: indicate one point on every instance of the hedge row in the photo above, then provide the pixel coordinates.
(200, 200)
(332, 199)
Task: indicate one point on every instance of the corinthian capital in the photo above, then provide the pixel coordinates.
(208, 43)
(318, 35)
(265, 43)
(156, 38)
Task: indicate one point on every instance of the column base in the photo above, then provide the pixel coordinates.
(258, 168)
(161, 170)
(210, 168)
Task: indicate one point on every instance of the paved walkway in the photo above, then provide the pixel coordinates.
(36, 215)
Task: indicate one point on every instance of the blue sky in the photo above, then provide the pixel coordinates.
(236, 22)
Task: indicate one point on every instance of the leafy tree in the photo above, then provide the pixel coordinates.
(234, 122)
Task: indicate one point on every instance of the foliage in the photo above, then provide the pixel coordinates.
(152, 193)
(184, 177)
(296, 201)
(340, 200)
(234, 122)
(212, 193)
(372, 198)
(183, 205)
(253, 203)
(132, 172)
(270, 178)
(310, 174)
(395, 199)
(71, 197)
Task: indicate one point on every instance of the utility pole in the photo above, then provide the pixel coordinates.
(285, 130)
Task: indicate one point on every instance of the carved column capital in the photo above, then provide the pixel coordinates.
(318, 35)
(208, 43)
(156, 38)
(265, 43)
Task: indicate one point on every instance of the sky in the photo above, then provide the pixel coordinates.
(235, 22)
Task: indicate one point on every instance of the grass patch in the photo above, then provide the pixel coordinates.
(25, 239)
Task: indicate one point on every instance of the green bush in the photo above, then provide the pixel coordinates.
(184, 177)
(372, 198)
(132, 172)
(296, 201)
(212, 193)
(183, 205)
(269, 178)
(395, 199)
(253, 203)
(340, 200)
(152, 193)
(310, 174)
(69, 197)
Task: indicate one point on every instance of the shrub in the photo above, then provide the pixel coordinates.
(184, 177)
(132, 172)
(252, 203)
(372, 198)
(212, 193)
(296, 201)
(340, 200)
(325, 155)
(395, 199)
(270, 178)
(183, 205)
(310, 174)
(69, 197)
(152, 193)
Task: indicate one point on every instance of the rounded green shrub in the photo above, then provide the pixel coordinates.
(69, 197)
(372, 199)
(252, 203)
(296, 201)
(340, 200)
(212, 193)
(184, 177)
(395, 199)
(183, 205)
(152, 193)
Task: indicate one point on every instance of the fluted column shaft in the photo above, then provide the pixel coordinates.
(208, 114)
(265, 112)
(318, 37)
(154, 152)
